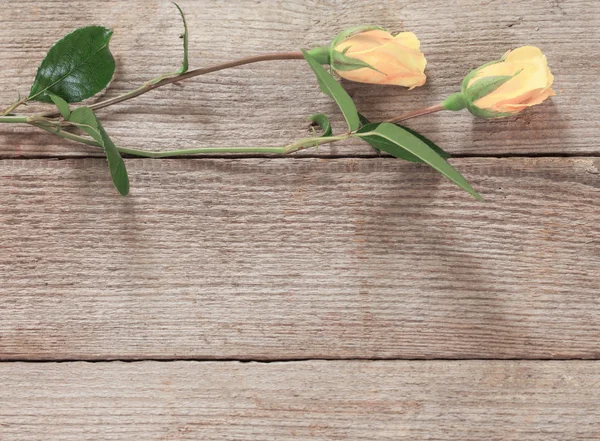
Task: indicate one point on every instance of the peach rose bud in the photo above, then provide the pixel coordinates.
(520, 79)
(375, 56)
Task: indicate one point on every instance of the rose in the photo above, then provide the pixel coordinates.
(390, 60)
(520, 79)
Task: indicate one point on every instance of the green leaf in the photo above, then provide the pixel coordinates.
(331, 87)
(116, 165)
(323, 122)
(382, 144)
(427, 141)
(363, 122)
(77, 67)
(401, 138)
(184, 63)
(363, 119)
(86, 120)
(61, 105)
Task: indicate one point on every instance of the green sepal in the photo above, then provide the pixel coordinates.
(347, 33)
(343, 62)
(474, 72)
(484, 87)
(487, 114)
(455, 102)
(322, 121)
(321, 54)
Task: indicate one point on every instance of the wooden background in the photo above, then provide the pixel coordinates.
(332, 295)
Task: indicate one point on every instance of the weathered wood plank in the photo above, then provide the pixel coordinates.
(295, 258)
(425, 400)
(267, 104)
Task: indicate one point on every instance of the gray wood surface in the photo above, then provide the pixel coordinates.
(349, 400)
(338, 257)
(296, 258)
(267, 104)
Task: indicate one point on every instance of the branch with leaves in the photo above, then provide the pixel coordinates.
(80, 65)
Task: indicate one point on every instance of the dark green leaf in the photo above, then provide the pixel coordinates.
(382, 144)
(184, 63)
(332, 88)
(118, 172)
(399, 137)
(363, 119)
(323, 122)
(86, 120)
(390, 147)
(427, 141)
(363, 122)
(61, 105)
(77, 67)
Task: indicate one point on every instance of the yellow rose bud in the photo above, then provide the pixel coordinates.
(519, 80)
(394, 60)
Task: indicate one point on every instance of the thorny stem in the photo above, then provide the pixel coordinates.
(163, 81)
(41, 121)
(14, 106)
(54, 128)
(14, 119)
(415, 113)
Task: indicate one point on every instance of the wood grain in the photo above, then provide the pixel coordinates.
(267, 104)
(291, 259)
(299, 258)
(470, 400)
